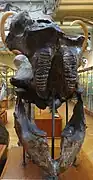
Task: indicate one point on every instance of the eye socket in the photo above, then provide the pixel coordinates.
(44, 21)
(16, 28)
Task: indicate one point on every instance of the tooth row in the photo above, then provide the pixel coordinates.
(43, 67)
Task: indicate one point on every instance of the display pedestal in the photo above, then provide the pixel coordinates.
(15, 170)
(3, 116)
(4, 103)
(2, 150)
(43, 119)
(3, 156)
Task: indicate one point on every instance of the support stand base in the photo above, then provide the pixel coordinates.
(51, 178)
(14, 169)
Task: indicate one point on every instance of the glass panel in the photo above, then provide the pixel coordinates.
(86, 82)
(5, 74)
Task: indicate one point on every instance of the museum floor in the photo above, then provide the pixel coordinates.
(86, 155)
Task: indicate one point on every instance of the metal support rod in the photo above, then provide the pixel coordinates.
(29, 111)
(29, 116)
(66, 111)
(53, 128)
(24, 157)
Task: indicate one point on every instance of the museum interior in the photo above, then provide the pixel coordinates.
(46, 110)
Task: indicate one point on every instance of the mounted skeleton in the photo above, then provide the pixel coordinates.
(46, 63)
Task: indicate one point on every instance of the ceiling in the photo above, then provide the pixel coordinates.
(83, 8)
(70, 10)
(66, 12)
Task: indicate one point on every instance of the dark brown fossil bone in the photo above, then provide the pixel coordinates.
(54, 63)
(36, 143)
